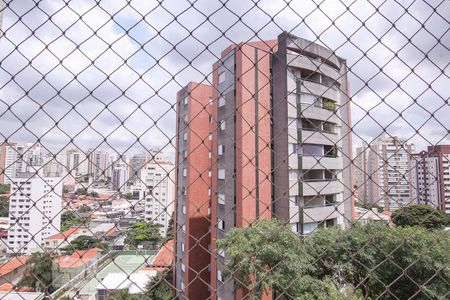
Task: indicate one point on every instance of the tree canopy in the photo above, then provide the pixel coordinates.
(160, 286)
(143, 233)
(420, 215)
(84, 242)
(370, 261)
(38, 273)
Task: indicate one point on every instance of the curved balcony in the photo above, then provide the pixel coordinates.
(312, 136)
(322, 187)
(313, 162)
(318, 213)
(314, 65)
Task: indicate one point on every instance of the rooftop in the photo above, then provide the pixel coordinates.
(13, 264)
(163, 259)
(64, 234)
(77, 259)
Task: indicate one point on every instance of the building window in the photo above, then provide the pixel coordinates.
(185, 100)
(182, 247)
(184, 172)
(185, 136)
(293, 148)
(183, 209)
(222, 253)
(221, 224)
(219, 276)
(221, 198)
(309, 227)
(221, 149)
(221, 174)
(222, 125)
(183, 268)
(221, 101)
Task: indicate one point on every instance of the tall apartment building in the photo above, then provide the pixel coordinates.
(280, 146)
(120, 174)
(430, 174)
(34, 211)
(98, 164)
(18, 158)
(388, 177)
(77, 163)
(158, 185)
(193, 195)
(362, 181)
(139, 160)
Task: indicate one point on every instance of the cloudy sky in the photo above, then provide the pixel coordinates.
(98, 73)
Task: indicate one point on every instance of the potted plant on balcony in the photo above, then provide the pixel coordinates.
(330, 105)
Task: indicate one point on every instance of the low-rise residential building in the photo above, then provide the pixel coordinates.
(66, 267)
(12, 270)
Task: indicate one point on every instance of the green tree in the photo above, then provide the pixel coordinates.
(170, 230)
(81, 191)
(70, 219)
(38, 273)
(123, 294)
(143, 233)
(128, 196)
(160, 286)
(4, 189)
(84, 242)
(265, 256)
(84, 208)
(359, 262)
(94, 194)
(4, 206)
(420, 215)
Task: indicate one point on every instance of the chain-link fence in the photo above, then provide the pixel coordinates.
(221, 149)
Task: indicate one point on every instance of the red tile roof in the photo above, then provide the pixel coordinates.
(13, 264)
(8, 287)
(163, 259)
(77, 259)
(65, 234)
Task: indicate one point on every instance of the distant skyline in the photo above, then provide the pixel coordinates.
(122, 102)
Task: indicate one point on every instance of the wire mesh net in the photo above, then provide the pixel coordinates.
(221, 149)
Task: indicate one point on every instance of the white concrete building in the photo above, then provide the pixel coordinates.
(34, 212)
(387, 176)
(158, 192)
(312, 139)
(18, 158)
(120, 174)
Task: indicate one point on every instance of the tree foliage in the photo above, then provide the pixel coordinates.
(38, 273)
(420, 215)
(84, 208)
(264, 256)
(70, 219)
(4, 206)
(123, 294)
(331, 263)
(143, 233)
(84, 242)
(160, 286)
(4, 189)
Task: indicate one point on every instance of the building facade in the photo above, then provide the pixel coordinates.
(280, 147)
(388, 172)
(34, 212)
(193, 194)
(16, 158)
(157, 183)
(430, 175)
